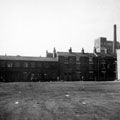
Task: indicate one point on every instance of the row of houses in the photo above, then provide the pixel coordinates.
(86, 66)
(59, 66)
(22, 68)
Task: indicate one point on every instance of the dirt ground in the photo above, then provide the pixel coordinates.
(60, 101)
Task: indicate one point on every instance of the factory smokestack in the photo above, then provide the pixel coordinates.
(115, 39)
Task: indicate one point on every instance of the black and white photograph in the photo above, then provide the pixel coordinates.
(59, 59)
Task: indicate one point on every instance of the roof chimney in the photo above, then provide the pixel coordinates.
(115, 39)
(46, 53)
(70, 50)
(54, 53)
(83, 51)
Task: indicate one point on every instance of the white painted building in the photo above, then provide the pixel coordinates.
(118, 64)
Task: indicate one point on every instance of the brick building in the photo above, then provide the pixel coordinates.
(66, 66)
(86, 66)
(19, 68)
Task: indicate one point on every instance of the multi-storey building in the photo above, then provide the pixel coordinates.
(67, 66)
(67, 62)
(102, 45)
(19, 68)
(86, 66)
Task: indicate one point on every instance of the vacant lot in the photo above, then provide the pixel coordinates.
(60, 101)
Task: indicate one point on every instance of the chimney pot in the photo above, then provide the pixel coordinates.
(83, 50)
(70, 50)
(54, 53)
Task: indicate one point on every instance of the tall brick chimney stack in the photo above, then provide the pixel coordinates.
(115, 39)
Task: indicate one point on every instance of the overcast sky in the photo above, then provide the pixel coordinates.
(30, 27)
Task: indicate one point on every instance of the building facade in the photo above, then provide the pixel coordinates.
(100, 65)
(118, 65)
(86, 66)
(63, 66)
(19, 68)
(102, 45)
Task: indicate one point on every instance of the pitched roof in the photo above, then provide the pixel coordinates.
(28, 58)
(75, 54)
(65, 54)
(85, 54)
(82, 54)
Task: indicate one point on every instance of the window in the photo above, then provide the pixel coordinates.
(90, 74)
(90, 60)
(77, 67)
(103, 61)
(103, 73)
(39, 65)
(2, 63)
(66, 60)
(66, 66)
(46, 65)
(53, 65)
(103, 65)
(9, 64)
(17, 64)
(32, 64)
(77, 60)
(78, 74)
(108, 66)
(25, 64)
(71, 61)
(91, 67)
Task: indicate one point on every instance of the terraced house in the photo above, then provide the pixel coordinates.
(66, 66)
(19, 68)
(86, 66)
